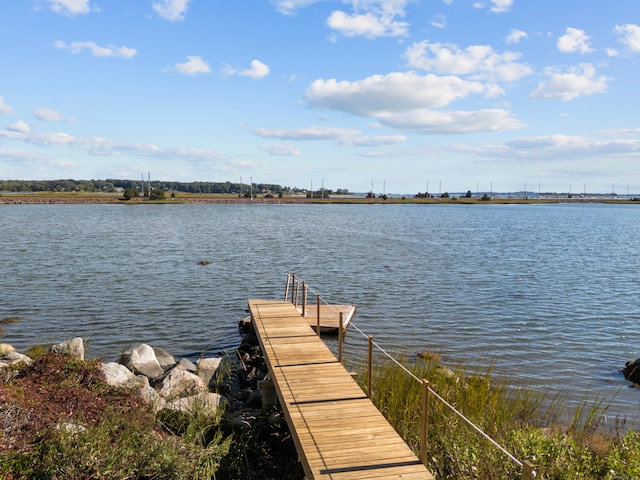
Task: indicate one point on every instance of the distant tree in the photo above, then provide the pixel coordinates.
(485, 198)
(468, 194)
(130, 193)
(157, 194)
(445, 195)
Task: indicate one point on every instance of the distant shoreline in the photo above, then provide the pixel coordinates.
(10, 198)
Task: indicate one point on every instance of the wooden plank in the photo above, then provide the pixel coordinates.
(338, 432)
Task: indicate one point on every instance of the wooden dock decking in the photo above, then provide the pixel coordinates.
(338, 432)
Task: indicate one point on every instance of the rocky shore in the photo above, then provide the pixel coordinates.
(237, 385)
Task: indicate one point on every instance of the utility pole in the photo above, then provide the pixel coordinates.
(149, 177)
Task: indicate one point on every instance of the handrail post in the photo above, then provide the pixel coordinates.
(528, 470)
(318, 314)
(286, 290)
(340, 339)
(304, 299)
(424, 422)
(297, 292)
(293, 284)
(370, 367)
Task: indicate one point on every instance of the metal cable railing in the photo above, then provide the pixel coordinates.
(528, 471)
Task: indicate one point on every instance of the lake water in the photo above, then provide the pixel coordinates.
(547, 294)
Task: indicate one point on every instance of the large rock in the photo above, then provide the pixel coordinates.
(179, 383)
(206, 368)
(205, 402)
(165, 359)
(5, 347)
(631, 371)
(142, 360)
(13, 358)
(118, 375)
(71, 348)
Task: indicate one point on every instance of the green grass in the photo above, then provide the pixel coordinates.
(525, 422)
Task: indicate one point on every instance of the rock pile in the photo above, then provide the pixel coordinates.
(181, 385)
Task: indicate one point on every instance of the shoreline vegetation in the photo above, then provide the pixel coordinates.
(80, 426)
(215, 198)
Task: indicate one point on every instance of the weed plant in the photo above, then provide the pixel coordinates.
(525, 422)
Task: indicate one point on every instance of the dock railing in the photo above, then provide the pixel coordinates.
(297, 288)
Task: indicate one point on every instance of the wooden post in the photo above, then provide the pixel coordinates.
(528, 470)
(286, 290)
(297, 292)
(370, 367)
(424, 422)
(304, 299)
(318, 315)
(340, 339)
(293, 284)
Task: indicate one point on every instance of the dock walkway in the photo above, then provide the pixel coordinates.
(338, 432)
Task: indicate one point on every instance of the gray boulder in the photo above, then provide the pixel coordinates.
(205, 402)
(142, 360)
(206, 368)
(179, 383)
(71, 348)
(12, 357)
(165, 359)
(186, 365)
(118, 375)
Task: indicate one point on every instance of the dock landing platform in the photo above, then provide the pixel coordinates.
(338, 432)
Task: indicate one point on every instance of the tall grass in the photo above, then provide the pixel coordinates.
(527, 423)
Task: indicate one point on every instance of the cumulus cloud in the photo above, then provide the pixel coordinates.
(574, 40)
(48, 115)
(500, 6)
(97, 50)
(428, 121)
(285, 149)
(4, 108)
(579, 81)
(70, 7)
(19, 126)
(258, 70)
(396, 91)
(173, 10)
(368, 25)
(193, 66)
(516, 35)
(480, 62)
(629, 36)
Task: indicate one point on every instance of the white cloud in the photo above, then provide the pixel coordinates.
(285, 149)
(439, 21)
(392, 92)
(343, 136)
(577, 82)
(193, 66)
(48, 115)
(516, 35)
(288, 7)
(629, 36)
(96, 50)
(4, 108)
(367, 25)
(70, 7)
(451, 122)
(258, 70)
(306, 133)
(574, 40)
(500, 6)
(173, 10)
(19, 126)
(567, 146)
(480, 62)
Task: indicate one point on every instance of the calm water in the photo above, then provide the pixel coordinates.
(548, 294)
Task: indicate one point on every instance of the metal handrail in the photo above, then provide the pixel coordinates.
(528, 469)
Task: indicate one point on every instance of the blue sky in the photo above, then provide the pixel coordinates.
(449, 95)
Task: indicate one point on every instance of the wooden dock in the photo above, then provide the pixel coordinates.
(328, 317)
(338, 432)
